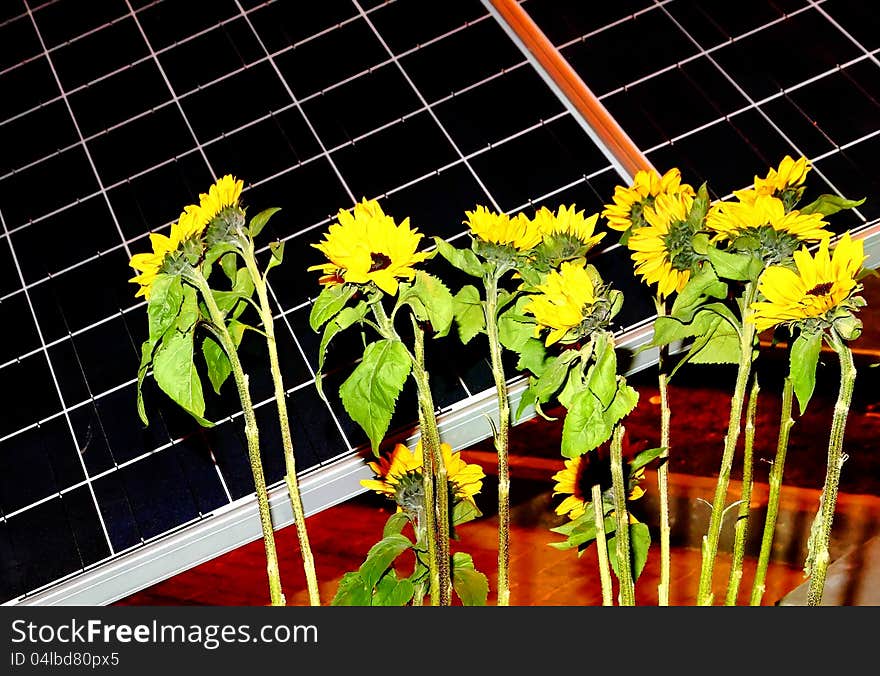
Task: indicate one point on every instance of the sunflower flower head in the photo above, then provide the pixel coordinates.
(565, 235)
(500, 237)
(785, 182)
(818, 294)
(399, 477)
(761, 224)
(626, 213)
(572, 302)
(365, 246)
(576, 481)
(663, 250)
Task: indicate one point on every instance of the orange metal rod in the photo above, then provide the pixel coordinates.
(606, 128)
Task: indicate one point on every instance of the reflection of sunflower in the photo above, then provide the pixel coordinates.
(400, 476)
(567, 222)
(629, 203)
(581, 473)
(820, 284)
(663, 249)
(517, 231)
(564, 299)
(367, 246)
(224, 193)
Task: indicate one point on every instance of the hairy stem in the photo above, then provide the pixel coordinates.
(775, 486)
(741, 529)
(502, 437)
(744, 368)
(252, 435)
(290, 477)
(602, 545)
(663, 589)
(627, 593)
(832, 475)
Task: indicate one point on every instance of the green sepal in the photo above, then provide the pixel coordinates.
(259, 221)
(467, 307)
(471, 586)
(830, 204)
(370, 393)
(803, 360)
(463, 259)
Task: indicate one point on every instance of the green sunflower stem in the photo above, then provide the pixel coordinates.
(741, 529)
(832, 477)
(602, 545)
(418, 521)
(251, 434)
(290, 477)
(429, 521)
(432, 455)
(627, 592)
(502, 439)
(775, 485)
(663, 589)
(744, 368)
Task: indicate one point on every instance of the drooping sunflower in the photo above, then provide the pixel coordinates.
(400, 476)
(818, 286)
(766, 225)
(150, 264)
(517, 231)
(629, 203)
(783, 182)
(579, 476)
(663, 250)
(366, 246)
(563, 300)
(224, 193)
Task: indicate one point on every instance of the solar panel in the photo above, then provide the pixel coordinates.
(117, 113)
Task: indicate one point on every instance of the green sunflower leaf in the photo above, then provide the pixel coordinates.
(526, 400)
(346, 318)
(625, 400)
(391, 592)
(467, 307)
(229, 265)
(175, 373)
(720, 345)
(830, 204)
(644, 458)
(705, 284)
(395, 524)
(166, 298)
(471, 585)
(277, 251)
(232, 301)
(803, 360)
(514, 327)
(639, 544)
(585, 425)
(216, 360)
(532, 356)
(146, 359)
(370, 393)
(381, 556)
(554, 376)
(259, 221)
(329, 303)
(463, 259)
(736, 266)
(431, 300)
(464, 511)
(602, 376)
(352, 591)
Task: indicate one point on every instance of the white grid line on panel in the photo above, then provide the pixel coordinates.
(748, 98)
(58, 392)
(830, 19)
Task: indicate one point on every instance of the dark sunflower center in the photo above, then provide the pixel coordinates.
(380, 261)
(821, 289)
(679, 243)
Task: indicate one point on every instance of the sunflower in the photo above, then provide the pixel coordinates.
(663, 249)
(567, 222)
(790, 174)
(400, 476)
(224, 193)
(762, 223)
(579, 476)
(518, 231)
(564, 300)
(819, 286)
(629, 203)
(365, 246)
(150, 264)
